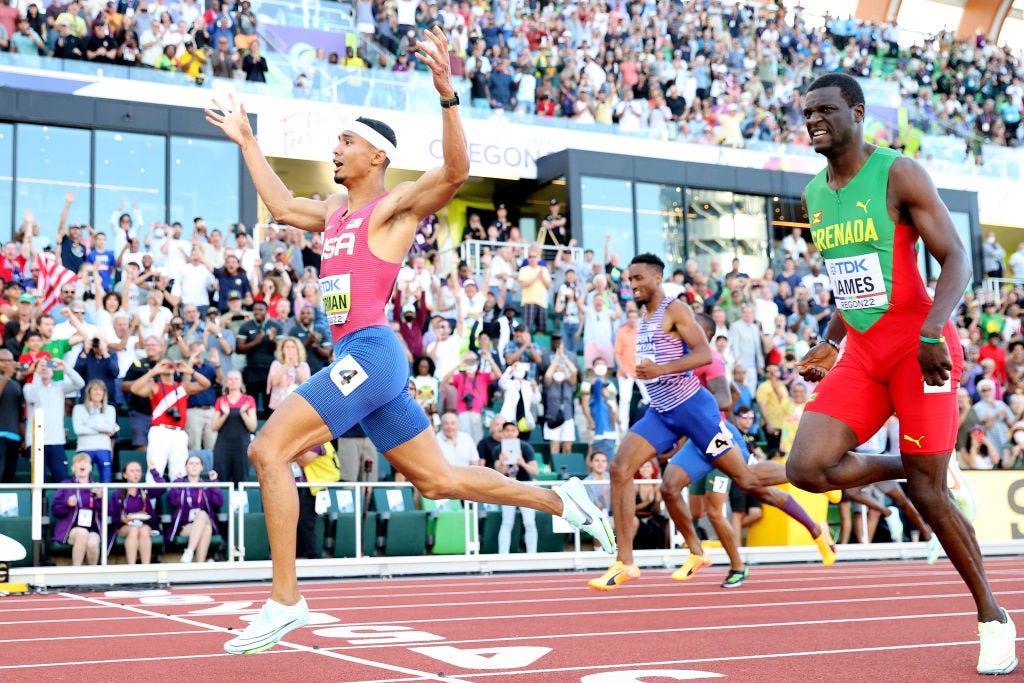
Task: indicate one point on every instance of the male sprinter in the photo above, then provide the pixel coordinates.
(669, 345)
(688, 464)
(367, 233)
(867, 209)
(685, 467)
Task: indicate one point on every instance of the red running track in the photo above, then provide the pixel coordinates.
(891, 621)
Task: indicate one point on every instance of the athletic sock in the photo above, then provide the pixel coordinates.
(797, 512)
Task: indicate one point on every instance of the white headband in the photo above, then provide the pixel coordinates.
(373, 137)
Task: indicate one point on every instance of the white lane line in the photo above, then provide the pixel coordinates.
(421, 675)
(648, 610)
(101, 636)
(126, 660)
(424, 585)
(636, 599)
(521, 639)
(65, 620)
(740, 658)
(632, 595)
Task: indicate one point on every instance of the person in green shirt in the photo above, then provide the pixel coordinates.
(59, 347)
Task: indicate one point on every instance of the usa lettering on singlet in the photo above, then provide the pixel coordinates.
(667, 391)
(355, 285)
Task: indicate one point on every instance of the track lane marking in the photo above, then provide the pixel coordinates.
(421, 675)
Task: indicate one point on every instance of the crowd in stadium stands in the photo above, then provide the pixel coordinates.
(709, 72)
(176, 345)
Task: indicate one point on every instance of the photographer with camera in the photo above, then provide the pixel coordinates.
(47, 392)
(559, 391)
(168, 396)
(470, 385)
(95, 362)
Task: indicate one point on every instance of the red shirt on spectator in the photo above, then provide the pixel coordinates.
(7, 267)
(29, 358)
(169, 396)
(998, 355)
(271, 305)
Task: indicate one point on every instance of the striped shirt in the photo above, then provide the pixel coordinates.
(667, 391)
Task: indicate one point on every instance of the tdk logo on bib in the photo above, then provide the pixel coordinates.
(336, 297)
(847, 267)
(857, 282)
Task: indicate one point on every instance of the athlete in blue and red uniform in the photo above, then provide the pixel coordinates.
(367, 234)
(868, 209)
(669, 346)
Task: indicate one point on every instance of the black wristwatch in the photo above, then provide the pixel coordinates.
(448, 103)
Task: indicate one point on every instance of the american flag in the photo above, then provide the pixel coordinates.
(52, 276)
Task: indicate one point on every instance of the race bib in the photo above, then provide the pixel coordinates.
(336, 297)
(857, 282)
(720, 442)
(348, 374)
(192, 514)
(720, 485)
(84, 518)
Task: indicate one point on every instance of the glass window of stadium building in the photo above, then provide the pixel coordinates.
(151, 162)
(704, 212)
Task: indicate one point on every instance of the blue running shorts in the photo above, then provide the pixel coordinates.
(697, 417)
(695, 463)
(367, 384)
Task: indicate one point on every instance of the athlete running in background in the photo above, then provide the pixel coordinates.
(367, 234)
(670, 345)
(867, 210)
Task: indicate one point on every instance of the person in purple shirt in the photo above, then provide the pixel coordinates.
(133, 512)
(77, 512)
(195, 511)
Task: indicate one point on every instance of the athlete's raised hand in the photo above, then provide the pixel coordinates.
(817, 362)
(433, 51)
(232, 120)
(935, 363)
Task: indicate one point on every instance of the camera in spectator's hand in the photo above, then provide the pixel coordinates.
(95, 342)
(174, 413)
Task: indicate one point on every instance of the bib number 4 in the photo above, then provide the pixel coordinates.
(720, 442)
(347, 374)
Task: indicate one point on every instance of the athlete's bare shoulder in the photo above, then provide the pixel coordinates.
(333, 203)
(912, 197)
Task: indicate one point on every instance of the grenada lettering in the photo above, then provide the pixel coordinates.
(839, 234)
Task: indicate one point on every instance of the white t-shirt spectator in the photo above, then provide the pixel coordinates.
(193, 284)
(446, 354)
(794, 247)
(127, 355)
(406, 12)
(155, 327)
(597, 326)
(816, 283)
(177, 256)
(765, 312)
(462, 453)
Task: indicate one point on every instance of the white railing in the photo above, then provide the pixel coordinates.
(472, 251)
(993, 287)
